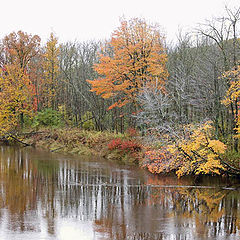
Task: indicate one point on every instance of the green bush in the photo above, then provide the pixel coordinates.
(27, 121)
(48, 118)
(87, 120)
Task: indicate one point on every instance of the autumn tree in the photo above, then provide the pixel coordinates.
(16, 93)
(233, 95)
(19, 49)
(51, 72)
(138, 59)
(193, 151)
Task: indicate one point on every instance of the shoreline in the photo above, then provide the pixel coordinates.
(82, 142)
(123, 148)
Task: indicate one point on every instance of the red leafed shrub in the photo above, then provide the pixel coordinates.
(124, 145)
(114, 144)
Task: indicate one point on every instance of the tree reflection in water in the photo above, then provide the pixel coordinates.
(40, 192)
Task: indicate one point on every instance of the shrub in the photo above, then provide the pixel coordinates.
(27, 120)
(124, 145)
(47, 117)
(87, 120)
(159, 161)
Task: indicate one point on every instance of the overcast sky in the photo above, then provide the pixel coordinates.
(96, 19)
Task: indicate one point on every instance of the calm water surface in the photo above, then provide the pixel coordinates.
(52, 196)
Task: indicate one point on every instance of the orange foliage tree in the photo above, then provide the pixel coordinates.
(20, 48)
(138, 60)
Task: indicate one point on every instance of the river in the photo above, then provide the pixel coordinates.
(55, 196)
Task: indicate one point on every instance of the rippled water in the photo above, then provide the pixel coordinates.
(52, 196)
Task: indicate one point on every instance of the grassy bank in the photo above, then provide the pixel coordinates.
(112, 146)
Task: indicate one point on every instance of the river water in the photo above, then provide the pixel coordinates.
(54, 196)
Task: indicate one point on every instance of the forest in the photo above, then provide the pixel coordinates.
(180, 102)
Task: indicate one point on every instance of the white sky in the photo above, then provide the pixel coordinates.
(96, 19)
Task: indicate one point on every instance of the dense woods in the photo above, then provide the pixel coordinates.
(183, 98)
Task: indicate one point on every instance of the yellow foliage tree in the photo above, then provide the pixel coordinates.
(20, 53)
(197, 152)
(233, 94)
(16, 97)
(51, 72)
(138, 60)
(194, 151)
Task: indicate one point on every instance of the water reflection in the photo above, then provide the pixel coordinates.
(50, 196)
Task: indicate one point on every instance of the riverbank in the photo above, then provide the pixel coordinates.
(112, 146)
(126, 148)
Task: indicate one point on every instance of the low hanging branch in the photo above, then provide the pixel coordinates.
(19, 141)
(236, 170)
(56, 149)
